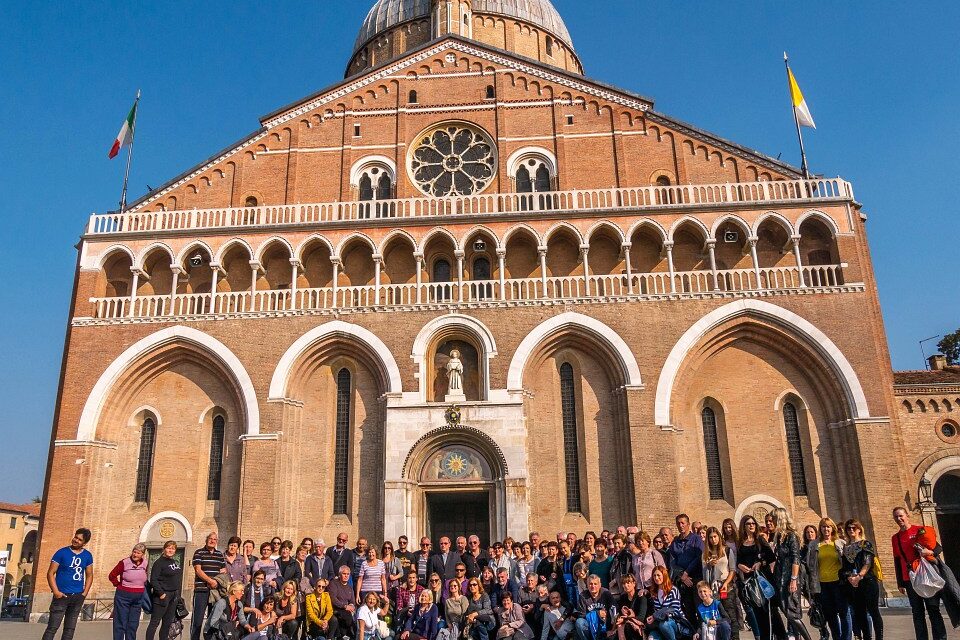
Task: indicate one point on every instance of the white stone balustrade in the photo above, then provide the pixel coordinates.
(609, 288)
(631, 199)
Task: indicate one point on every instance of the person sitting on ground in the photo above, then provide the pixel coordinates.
(714, 623)
(344, 601)
(422, 623)
(263, 621)
(593, 612)
(320, 620)
(227, 612)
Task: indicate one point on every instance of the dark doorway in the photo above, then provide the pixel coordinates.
(946, 493)
(459, 514)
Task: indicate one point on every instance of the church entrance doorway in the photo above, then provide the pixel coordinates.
(946, 495)
(458, 513)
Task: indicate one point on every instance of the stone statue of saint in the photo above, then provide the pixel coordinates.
(455, 375)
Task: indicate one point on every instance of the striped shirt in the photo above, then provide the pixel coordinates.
(370, 575)
(669, 601)
(211, 562)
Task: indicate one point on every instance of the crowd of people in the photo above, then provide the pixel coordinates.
(696, 582)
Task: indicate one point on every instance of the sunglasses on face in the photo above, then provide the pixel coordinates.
(461, 570)
(425, 544)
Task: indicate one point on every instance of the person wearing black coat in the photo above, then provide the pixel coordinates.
(444, 563)
(289, 567)
(341, 555)
(786, 572)
(166, 580)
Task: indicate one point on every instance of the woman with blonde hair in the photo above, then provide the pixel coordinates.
(786, 572)
(287, 609)
(836, 609)
(228, 612)
(319, 620)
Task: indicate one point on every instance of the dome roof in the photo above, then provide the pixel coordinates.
(386, 14)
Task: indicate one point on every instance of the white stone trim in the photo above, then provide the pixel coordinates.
(366, 162)
(628, 362)
(823, 217)
(470, 325)
(940, 468)
(757, 497)
(525, 152)
(278, 384)
(87, 427)
(785, 224)
(808, 332)
(100, 444)
(171, 515)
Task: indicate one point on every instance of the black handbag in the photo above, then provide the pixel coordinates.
(817, 619)
(182, 613)
(753, 593)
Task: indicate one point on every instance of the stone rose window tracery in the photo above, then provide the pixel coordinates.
(453, 160)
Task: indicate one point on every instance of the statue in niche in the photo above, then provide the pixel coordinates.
(454, 369)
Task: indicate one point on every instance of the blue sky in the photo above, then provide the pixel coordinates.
(883, 83)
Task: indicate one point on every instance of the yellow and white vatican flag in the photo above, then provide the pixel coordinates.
(800, 108)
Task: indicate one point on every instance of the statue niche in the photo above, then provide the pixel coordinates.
(448, 373)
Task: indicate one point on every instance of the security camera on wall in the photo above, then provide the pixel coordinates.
(731, 236)
(479, 245)
(196, 260)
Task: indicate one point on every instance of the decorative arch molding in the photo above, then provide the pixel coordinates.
(689, 221)
(525, 153)
(468, 324)
(810, 334)
(300, 253)
(599, 226)
(196, 245)
(597, 329)
(166, 515)
(558, 228)
(757, 497)
(147, 251)
(87, 428)
(228, 245)
(356, 236)
(652, 224)
(938, 468)
(278, 384)
(521, 229)
(113, 250)
(131, 421)
(821, 216)
(732, 219)
(447, 435)
(776, 217)
(270, 243)
(368, 162)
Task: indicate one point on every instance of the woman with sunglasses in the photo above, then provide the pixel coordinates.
(435, 587)
(786, 545)
(479, 618)
(755, 556)
(859, 569)
(392, 564)
(836, 608)
(455, 607)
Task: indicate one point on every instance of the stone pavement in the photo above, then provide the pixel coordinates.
(897, 625)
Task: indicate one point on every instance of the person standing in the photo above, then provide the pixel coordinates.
(372, 577)
(686, 557)
(318, 565)
(166, 579)
(906, 551)
(69, 577)
(207, 563)
(645, 561)
(859, 569)
(341, 555)
(445, 563)
(786, 574)
(343, 600)
(719, 563)
(130, 579)
(833, 596)
(236, 562)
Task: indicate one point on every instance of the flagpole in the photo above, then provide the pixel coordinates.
(126, 173)
(796, 121)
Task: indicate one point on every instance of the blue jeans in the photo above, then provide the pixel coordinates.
(923, 608)
(200, 607)
(481, 630)
(666, 630)
(836, 610)
(126, 615)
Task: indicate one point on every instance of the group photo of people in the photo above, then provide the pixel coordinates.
(771, 578)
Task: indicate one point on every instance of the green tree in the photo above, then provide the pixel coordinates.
(950, 347)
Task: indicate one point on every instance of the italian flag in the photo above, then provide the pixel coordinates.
(125, 137)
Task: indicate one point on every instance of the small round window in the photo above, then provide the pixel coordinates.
(454, 159)
(949, 431)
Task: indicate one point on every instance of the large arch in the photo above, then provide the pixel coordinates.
(87, 427)
(810, 334)
(597, 329)
(444, 324)
(278, 383)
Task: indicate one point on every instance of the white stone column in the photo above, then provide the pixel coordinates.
(176, 270)
(501, 262)
(336, 276)
(585, 257)
(377, 266)
(458, 254)
(756, 262)
(295, 267)
(795, 240)
(418, 256)
(254, 273)
(668, 245)
(542, 251)
(215, 269)
(626, 246)
(712, 248)
(134, 285)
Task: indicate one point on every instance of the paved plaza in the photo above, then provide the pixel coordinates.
(898, 626)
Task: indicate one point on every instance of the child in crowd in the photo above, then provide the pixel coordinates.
(714, 624)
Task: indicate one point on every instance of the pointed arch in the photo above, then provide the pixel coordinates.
(392, 236)
(300, 252)
(688, 221)
(266, 244)
(733, 219)
(438, 231)
(356, 236)
(777, 218)
(195, 245)
(111, 251)
(478, 229)
(804, 330)
(151, 249)
(337, 328)
(521, 228)
(229, 244)
(560, 226)
(87, 427)
(627, 362)
(647, 222)
(600, 226)
(453, 322)
(821, 216)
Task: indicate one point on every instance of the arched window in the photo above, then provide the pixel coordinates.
(412, 98)
(251, 201)
(441, 273)
(491, 93)
(711, 447)
(794, 450)
(663, 181)
(375, 183)
(216, 458)
(148, 440)
(534, 173)
(342, 443)
(571, 446)
(549, 46)
(481, 269)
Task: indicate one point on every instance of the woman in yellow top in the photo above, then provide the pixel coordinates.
(836, 608)
(320, 620)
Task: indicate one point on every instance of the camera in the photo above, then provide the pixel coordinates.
(731, 236)
(479, 245)
(196, 260)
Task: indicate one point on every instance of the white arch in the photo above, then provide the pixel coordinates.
(269, 241)
(823, 217)
(149, 408)
(390, 237)
(697, 223)
(604, 224)
(87, 428)
(757, 497)
(299, 254)
(779, 218)
(355, 236)
(471, 325)
(278, 384)
(735, 219)
(812, 336)
(628, 362)
(562, 225)
(111, 250)
(225, 248)
(192, 246)
(647, 222)
(518, 156)
(367, 162)
(150, 249)
(517, 228)
(940, 468)
(438, 231)
(477, 229)
(171, 515)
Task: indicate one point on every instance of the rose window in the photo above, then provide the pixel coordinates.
(454, 160)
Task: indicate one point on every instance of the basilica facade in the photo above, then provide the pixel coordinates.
(649, 318)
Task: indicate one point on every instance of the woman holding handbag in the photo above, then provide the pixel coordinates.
(370, 624)
(786, 571)
(479, 619)
(810, 585)
(632, 610)
(754, 557)
(718, 564)
(513, 624)
(454, 609)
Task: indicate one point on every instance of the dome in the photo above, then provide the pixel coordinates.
(386, 14)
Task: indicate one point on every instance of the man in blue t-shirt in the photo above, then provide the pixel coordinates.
(69, 577)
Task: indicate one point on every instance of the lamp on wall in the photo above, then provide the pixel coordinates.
(925, 490)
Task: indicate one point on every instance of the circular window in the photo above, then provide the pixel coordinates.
(453, 160)
(949, 431)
